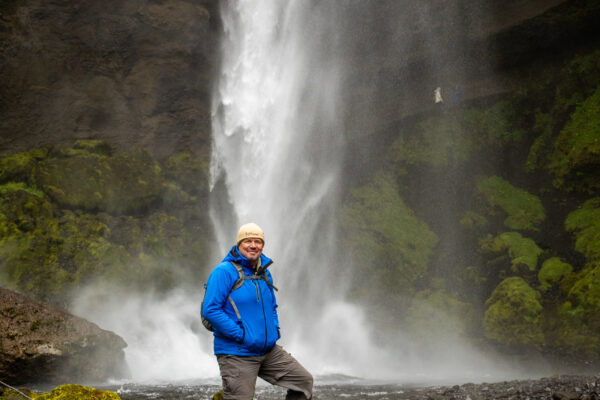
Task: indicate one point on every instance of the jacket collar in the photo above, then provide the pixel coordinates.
(234, 255)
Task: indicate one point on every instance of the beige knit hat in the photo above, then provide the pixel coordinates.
(250, 230)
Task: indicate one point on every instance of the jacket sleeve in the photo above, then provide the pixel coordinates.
(218, 288)
(275, 316)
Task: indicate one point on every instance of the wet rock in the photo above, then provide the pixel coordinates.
(43, 344)
(565, 396)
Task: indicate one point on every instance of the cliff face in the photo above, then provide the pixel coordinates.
(135, 73)
(138, 73)
(484, 186)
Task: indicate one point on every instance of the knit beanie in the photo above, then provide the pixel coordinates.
(250, 230)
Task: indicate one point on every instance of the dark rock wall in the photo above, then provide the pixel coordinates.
(136, 73)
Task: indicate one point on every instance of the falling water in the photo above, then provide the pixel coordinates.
(278, 148)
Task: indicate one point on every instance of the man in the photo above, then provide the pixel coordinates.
(245, 323)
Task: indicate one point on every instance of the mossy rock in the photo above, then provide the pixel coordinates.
(77, 392)
(525, 210)
(571, 333)
(100, 147)
(513, 314)
(473, 220)
(493, 126)
(521, 250)
(437, 142)
(584, 297)
(127, 182)
(577, 148)
(20, 166)
(433, 311)
(552, 271)
(387, 234)
(585, 223)
(23, 206)
(12, 394)
(190, 173)
(218, 396)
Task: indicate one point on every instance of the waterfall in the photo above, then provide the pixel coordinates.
(278, 140)
(282, 123)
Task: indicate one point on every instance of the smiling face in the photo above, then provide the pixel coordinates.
(251, 248)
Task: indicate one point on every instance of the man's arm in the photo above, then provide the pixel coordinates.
(275, 316)
(218, 288)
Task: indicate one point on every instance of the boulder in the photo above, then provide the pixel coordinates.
(64, 392)
(44, 344)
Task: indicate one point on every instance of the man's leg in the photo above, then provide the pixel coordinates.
(239, 376)
(281, 369)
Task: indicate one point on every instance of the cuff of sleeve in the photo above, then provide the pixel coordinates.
(240, 340)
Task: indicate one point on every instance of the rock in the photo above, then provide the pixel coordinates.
(564, 396)
(218, 395)
(76, 392)
(134, 73)
(43, 344)
(64, 392)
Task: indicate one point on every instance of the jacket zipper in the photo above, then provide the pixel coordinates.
(257, 291)
(262, 303)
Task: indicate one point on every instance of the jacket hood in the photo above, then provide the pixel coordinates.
(234, 255)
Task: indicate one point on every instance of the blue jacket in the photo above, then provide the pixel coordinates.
(257, 331)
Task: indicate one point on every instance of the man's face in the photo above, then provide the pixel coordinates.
(251, 249)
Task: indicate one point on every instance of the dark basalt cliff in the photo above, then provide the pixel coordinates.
(136, 73)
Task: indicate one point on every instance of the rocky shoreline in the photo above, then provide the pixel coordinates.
(562, 387)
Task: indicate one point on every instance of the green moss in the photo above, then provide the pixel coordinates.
(24, 207)
(94, 146)
(383, 232)
(493, 126)
(521, 250)
(15, 186)
(473, 220)
(543, 126)
(12, 394)
(19, 167)
(585, 298)
(585, 223)
(552, 271)
(218, 396)
(435, 311)
(188, 173)
(513, 314)
(577, 148)
(437, 142)
(77, 392)
(550, 100)
(572, 335)
(127, 182)
(525, 211)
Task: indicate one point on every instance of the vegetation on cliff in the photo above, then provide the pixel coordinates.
(71, 215)
(511, 241)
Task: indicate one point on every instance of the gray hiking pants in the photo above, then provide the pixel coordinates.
(277, 367)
